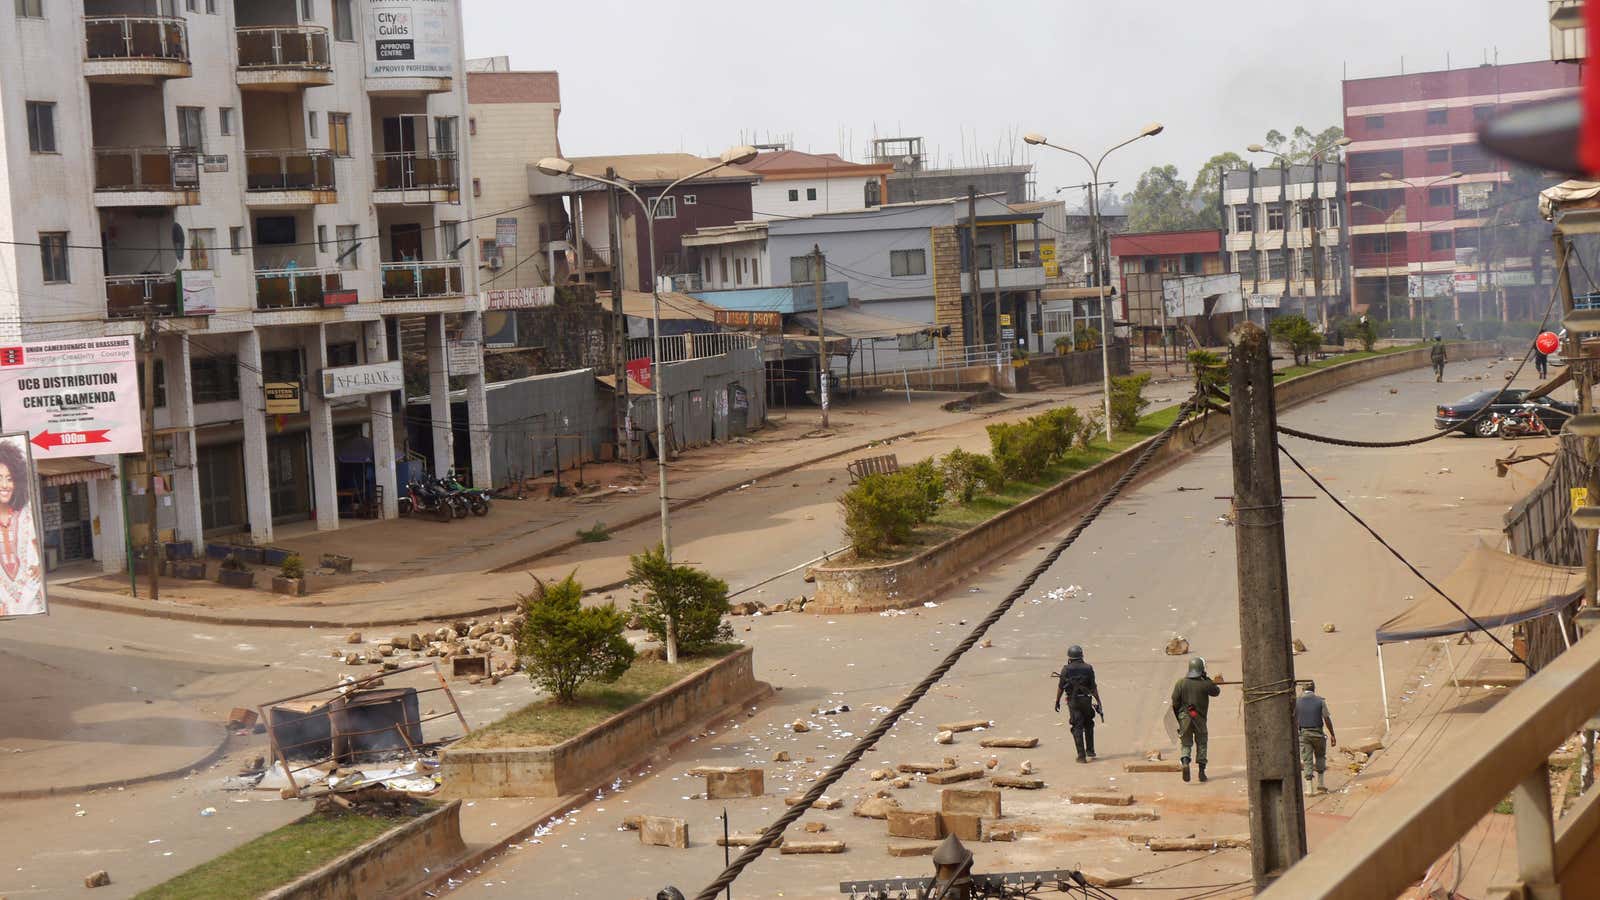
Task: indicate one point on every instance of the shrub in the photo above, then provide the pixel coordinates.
(1065, 344)
(1298, 332)
(880, 511)
(1366, 333)
(562, 643)
(594, 535)
(1210, 369)
(293, 566)
(929, 482)
(1065, 429)
(1086, 337)
(1128, 402)
(1022, 450)
(682, 606)
(966, 473)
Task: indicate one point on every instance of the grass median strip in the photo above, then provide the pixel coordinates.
(274, 859)
(1319, 364)
(546, 723)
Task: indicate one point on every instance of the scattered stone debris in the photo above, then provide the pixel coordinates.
(662, 831)
(1101, 798)
(97, 879)
(996, 832)
(945, 737)
(743, 840)
(791, 848)
(901, 783)
(877, 806)
(922, 768)
(970, 802)
(822, 802)
(905, 850)
(970, 725)
(781, 756)
(882, 774)
(1127, 814)
(991, 762)
(1190, 844)
(1329, 628)
(1020, 783)
(951, 776)
(799, 726)
(1178, 646)
(816, 827)
(631, 823)
(1297, 645)
(1101, 878)
(918, 824)
(1015, 743)
(1026, 768)
(353, 638)
(1152, 755)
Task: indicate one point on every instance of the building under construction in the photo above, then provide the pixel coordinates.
(913, 180)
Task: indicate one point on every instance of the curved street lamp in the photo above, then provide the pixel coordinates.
(1039, 140)
(558, 166)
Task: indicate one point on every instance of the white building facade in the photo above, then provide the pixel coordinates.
(305, 158)
(1288, 243)
(804, 184)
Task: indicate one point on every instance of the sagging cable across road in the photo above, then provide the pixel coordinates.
(775, 831)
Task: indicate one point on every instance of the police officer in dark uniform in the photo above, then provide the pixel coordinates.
(1083, 700)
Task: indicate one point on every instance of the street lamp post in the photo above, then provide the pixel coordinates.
(558, 166)
(1036, 139)
(1388, 294)
(1422, 276)
(1316, 199)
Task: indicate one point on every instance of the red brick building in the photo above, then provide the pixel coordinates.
(1416, 231)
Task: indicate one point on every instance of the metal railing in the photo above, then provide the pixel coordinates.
(295, 287)
(126, 295)
(284, 47)
(146, 169)
(409, 171)
(418, 280)
(680, 347)
(136, 37)
(289, 170)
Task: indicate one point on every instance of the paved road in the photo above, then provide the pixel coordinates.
(1158, 564)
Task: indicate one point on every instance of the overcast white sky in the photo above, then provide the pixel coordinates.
(641, 76)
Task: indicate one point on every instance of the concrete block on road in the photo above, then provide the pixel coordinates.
(909, 823)
(790, 848)
(1146, 767)
(1191, 844)
(951, 776)
(922, 768)
(822, 802)
(875, 807)
(1105, 879)
(662, 831)
(738, 839)
(965, 827)
(1127, 814)
(969, 725)
(1102, 798)
(1019, 782)
(994, 831)
(970, 801)
(904, 850)
(734, 785)
(1011, 743)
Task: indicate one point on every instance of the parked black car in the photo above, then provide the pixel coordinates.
(1455, 415)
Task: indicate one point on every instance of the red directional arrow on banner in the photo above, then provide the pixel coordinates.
(45, 440)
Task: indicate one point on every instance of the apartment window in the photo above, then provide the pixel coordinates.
(1482, 113)
(908, 262)
(1244, 219)
(282, 365)
(322, 239)
(1441, 155)
(707, 273)
(214, 379)
(1466, 237)
(1380, 243)
(211, 7)
(985, 256)
(489, 252)
(201, 240)
(444, 134)
(472, 125)
(236, 240)
(349, 248)
(1191, 264)
(1440, 240)
(30, 9)
(343, 21)
(1247, 266)
(1058, 321)
(1332, 213)
(1275, 263)
(690, 199)
(738, 271)
(1274, 216)
(344, 354)
(667, 208)
(312, 129)
(53, 257)
(803, 269)
(191, 5)
(307, 13)
(225, 120)
(755, 271)
(339, 133)
(722, 268)
(811, 193)
(1375, 122)
(192, 128)
(477, 188)
(450, 239)
(1438, 117)
(42, 127)
(1439, 196)
(794, 196)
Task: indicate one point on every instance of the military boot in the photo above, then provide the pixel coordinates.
(1185, 762)
(1202, 771)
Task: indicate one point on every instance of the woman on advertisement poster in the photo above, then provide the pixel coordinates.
(21, 575)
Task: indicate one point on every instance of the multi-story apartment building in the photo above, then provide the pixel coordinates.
(305, 156)
(1424, 195)
(512, 117)
(1288, 243)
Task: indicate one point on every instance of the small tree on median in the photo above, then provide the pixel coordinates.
(562, 644)
(682, 606)
(1128, 401)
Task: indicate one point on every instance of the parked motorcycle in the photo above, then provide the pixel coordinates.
(1523, 421)
(477, 500)
(423, 497)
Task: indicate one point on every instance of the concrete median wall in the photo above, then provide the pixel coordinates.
(386, 865)
(581, 762)
(853, 587)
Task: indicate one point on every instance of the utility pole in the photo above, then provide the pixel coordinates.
(1316, 236)
(1277, 818)
(1288, 220)
(817, 277)
(149, 345)
(619, 322)
(972, 259)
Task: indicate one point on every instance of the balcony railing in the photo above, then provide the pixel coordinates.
(127, 295)
(284, 47)
(295, 288)
(146, 169)
(136, 38)
(422, 280)
(289, 170)
(411, 171)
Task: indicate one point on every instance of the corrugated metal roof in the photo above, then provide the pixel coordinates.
(659, 167)
(855, 324)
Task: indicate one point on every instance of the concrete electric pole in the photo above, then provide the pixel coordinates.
(1277, 818)
(148, 343)
(818, 276)
(619, 322)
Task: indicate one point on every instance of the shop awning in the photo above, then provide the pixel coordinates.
(1496, 588)
(76, 470)
(857, 325)
(635, 389)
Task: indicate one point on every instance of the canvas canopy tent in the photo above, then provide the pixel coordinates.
(1495, 588)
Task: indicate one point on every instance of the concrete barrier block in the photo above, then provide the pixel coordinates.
(909, 823)
(662, 831)
(975, 802)
(951, 776)
(965, 827)
(735, 785)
